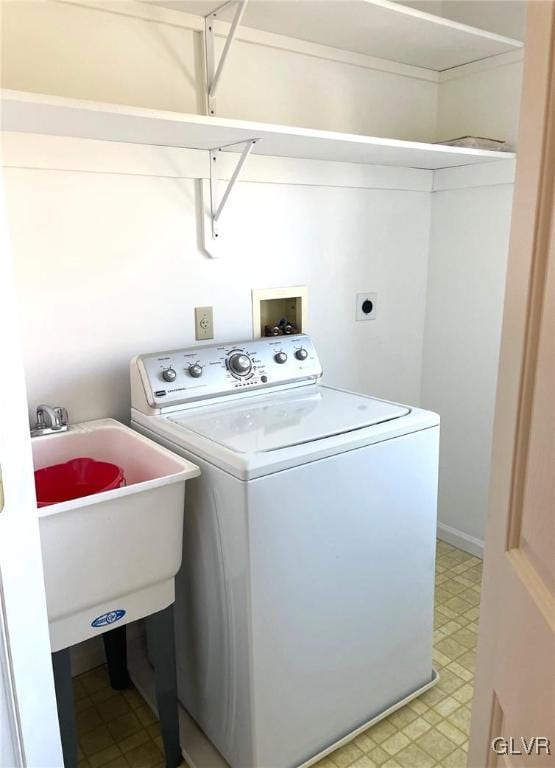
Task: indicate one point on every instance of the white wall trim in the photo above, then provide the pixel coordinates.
(141, 10)
(58, 153)
(483, 65)
(460, 540)
(479, 175)
(160, 15)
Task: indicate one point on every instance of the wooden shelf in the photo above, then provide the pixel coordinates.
(36, 113)
(377, 28)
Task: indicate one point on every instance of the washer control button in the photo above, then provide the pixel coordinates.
(280, 357)
(169, 374)
(301, 354)
(195, 371)
(240, 364)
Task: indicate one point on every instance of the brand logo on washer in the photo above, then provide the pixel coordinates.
(108, 618)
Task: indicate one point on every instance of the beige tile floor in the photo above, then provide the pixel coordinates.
(118, 730)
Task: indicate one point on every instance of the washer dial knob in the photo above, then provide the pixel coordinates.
(195, 370)
(301, 354)
(240, 364)
(280, 357)
(169, 374)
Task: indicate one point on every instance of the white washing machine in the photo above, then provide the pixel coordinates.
(304, 604)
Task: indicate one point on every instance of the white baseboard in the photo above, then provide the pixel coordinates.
(460, 540)
(90, 653)
(87, 655)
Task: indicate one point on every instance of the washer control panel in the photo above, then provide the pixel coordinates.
(186, 375)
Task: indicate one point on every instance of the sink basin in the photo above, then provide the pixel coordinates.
(111, 557)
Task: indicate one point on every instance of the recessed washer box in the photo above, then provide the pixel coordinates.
(270, 305)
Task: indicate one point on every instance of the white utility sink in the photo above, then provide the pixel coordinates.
(111, 557)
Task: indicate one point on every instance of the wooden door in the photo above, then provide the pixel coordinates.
(515, 682)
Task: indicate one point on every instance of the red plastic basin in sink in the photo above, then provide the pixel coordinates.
(76, 478)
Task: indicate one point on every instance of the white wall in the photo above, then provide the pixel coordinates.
(137, 54)
(106, 236)
(466, 282)
(143, 55)
(297, 89)
(505, 17)
(87, 226)
(109, 266)
(481, 99)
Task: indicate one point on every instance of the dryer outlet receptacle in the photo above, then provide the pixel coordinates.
(366, 306)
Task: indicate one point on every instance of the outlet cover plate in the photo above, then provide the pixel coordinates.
(204, 323)
(361, 300)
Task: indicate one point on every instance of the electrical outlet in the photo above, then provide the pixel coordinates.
(204, 323)
(366, 306)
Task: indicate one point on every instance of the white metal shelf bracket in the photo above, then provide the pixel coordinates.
(216, 203)
(214, 71)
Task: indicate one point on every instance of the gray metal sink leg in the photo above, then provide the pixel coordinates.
(61, 664)
(115, 647)
(161, 644)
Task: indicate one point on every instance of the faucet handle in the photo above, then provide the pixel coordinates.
(62, 416)
(40, 422)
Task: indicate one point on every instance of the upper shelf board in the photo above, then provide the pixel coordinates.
(57, 116)
(377, 28)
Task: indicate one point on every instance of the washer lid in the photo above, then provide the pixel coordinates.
(286, 419)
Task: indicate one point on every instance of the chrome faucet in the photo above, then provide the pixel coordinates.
(50, 421)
